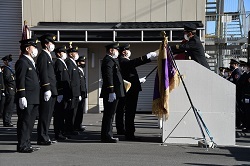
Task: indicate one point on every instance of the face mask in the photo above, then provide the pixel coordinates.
(226, 74)
(186, 37)
(76, 57)
(10, 63)
(231, 67)
(34, 53)
(51, 47)
(115, 54)
(128, 53)
(64, 56)
(82, 65)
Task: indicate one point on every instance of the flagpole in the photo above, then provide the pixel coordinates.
(198, 118)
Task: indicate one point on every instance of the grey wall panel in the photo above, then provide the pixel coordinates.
(213, 95)
(83, 10)
(142, 10)
(158, 11)
(113, 8)
(98, 11)
(128, 11)
(10, 28)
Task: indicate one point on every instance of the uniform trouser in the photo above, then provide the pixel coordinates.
(247, 115)
(2, 104)
(59, 117)
(107, 119)
(119, 115)
(46, 109)
(79, 114)
(130, 110)
(8, 108)
(25, 124)
(71, 114)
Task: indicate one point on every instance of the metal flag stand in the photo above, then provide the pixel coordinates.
(198, 117)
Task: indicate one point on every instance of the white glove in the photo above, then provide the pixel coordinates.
(112, 97)
(59, 98)
(47, 95)
(152, 55)
(3, 94)
(80, 98)
(142, 80)
(22, 102)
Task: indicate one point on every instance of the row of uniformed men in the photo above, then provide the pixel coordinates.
(48, 88)
(240, 76)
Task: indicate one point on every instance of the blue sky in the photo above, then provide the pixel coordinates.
(229, 6)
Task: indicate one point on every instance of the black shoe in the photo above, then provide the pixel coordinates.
(83, 128)
(121, 132)
(72, 133)
(8, 125)
(110, 140)
(44, 143)
(26, 150)
(60, 138)
(35, 148)
(131, 138)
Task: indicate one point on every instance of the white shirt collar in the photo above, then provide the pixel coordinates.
(31, 59)
(48, 53)
(63, 62)
(73, 61)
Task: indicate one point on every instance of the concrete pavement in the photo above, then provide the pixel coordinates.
(86, 149)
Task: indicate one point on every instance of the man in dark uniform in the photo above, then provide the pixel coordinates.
(112, 90)
(236, 72)
(129, 102)
(75, 94)
(79, 114)
(2, 95)
(28, 92)
(10, 91)
(245, 98)
(193, 46)
(63, 88)
(48, 94)
(234, 77)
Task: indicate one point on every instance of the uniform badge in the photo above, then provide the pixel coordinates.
(30, 68)
(74, 69)
(49, 62)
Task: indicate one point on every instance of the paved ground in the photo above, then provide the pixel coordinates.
(87, 150)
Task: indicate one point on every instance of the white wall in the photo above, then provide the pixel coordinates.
(35, 11)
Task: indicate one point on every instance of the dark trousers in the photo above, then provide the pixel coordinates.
(107, 119)
(25, 124)
(8, 109)
(2, 104)
(119, 115)
(79, 114)
(130, 110)
(59, 117)
(71, 114)
(46, 109)
(246, 118)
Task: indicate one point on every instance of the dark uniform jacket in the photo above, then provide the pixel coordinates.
(63, 79)
(243, 85)
(46, 71)
(9, 81)
(195, 50)
(235, 75)
(83, 84)
(27, 82)
(74, 78)
(129, 72)
(112, 78)
(2, 87)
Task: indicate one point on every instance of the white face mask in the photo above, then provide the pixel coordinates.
(128, 53)
(64, 56)
(51, 47)
(115, 54)
(76, 57)
(34, 53)
(186, 37)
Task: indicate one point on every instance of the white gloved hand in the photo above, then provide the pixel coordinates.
(59, 98)
(142, 80)
(22, 103)
(3, 94)
(112, 97)
(47, 95)
(80, 98)
(152, 55)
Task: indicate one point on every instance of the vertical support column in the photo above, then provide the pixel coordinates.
(248, 47)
